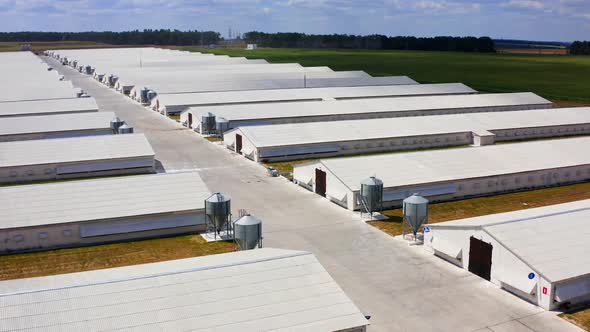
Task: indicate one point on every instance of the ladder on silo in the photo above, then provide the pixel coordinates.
(365, 207)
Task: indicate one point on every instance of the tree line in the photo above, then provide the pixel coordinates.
(372, 42)
(285, 40)
(135, 37)
(580, 48)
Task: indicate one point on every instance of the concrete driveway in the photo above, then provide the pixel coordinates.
(403, 288)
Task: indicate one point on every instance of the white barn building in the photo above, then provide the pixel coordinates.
(48, 107)
(445, 175)
(65, 158)
(235, 116)
(248, 291)
(211, 83)
(337, 138)
(177, 103)
(25, 77)
(540, 254)
(55, 126)
(168, 71)
(85, 212)
(158, 79)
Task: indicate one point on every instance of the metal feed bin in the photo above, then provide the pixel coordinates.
(125, 129)
(371, 195)
(415, 210)
(151, 95)
(218, 212)
(143, 95)
(208, 124)
(112, 79)
(116, 123)
(221, 126)
(248, 232)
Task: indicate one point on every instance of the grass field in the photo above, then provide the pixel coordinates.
(474, 207)
(580, 317)
(555, 77)
(70, 260)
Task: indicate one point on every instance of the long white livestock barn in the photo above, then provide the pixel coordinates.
(268, 81)
(444, 175)
(78, 213)
(126, 81)
(36, 92)
(48, 107)
(179, 102)
(336, 138)
(168, 72)
(55, 126)
(540, 254)
(248, 291)
(63, 158)
(111, 61)
(26, 77)
(233, 116)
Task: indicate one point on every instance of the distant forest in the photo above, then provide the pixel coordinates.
(372, 42)
(580, 48)
(145, 37)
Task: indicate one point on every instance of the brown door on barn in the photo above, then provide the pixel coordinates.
(238, 143)
(480, 258)
(190, 120)
(320, 182)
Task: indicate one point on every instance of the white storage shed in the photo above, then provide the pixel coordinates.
(256, 290)
(370, 108)
(64, 158)
(540, 254)
(336, 138)
(450, 174)
(85, 212)
(55, 126)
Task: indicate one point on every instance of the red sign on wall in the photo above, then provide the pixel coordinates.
(544, 290)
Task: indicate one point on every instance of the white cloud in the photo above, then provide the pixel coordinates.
(528, 4)
(546, 19)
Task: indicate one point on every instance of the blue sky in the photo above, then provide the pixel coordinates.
(562, 20)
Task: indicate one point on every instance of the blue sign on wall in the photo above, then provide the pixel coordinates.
(531, 276)
(426, 229)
